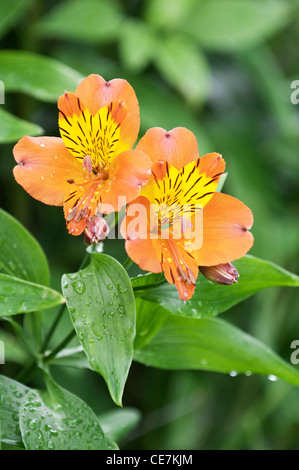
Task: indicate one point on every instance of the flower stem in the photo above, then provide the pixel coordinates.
(58, 348)
(128, 263)
(61, 311)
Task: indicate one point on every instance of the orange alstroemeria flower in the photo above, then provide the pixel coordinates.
(181, 179)
(92, 164)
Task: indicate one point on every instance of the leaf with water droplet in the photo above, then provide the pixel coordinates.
(105, 312)
(19, 296)
(11, 395)
(206, 344)
(21, 255)
(52, 415)
(210, 299)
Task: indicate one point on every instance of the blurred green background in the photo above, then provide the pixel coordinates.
(223, 69)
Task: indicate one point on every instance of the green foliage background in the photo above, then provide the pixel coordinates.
(222, 68)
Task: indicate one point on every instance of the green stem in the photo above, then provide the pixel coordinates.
(53, 328)
(60, 346)
(26, 374)
(128, 263)
(61, 311)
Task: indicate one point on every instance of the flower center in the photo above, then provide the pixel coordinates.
(95, 136)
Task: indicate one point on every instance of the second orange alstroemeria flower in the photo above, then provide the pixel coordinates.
(92, 164)
(181, 188)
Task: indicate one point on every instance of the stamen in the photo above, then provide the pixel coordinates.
(72, 214)
(87, 163)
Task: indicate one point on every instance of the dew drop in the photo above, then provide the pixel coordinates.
(79, 287)
(272, 377)
(31, 423)
(122, 289)
(233, 373)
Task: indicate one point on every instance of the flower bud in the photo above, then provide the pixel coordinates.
(221, 274)
(96, 229)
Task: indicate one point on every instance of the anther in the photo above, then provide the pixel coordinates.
(87, 163)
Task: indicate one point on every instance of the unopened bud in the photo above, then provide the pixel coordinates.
(221, 274)
(96, 229)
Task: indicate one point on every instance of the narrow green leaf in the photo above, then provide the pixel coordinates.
(150, 317)
(137, 45)
(210, 299)
(18, 296)
(10, 13)
(20, 254)
(118, 423)
(58, 420)
(229, 25)
(184, 66)
(222, 180)
(71, 357)
(168, 14)
(102, 308)
(13, 128)
(95, 23)
(215, 345)
(11, 395)
(36, 75)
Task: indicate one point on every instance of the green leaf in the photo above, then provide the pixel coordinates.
(18, 296)
(13, 351)
(184, 66)
(102, 308)
(36, 75)
(13, 128)
(58, 420)
(20, 254)
(222, 180)
(94, 23)
(11, 395)
(10, 13)
(229, 25)
(150, 317)
(116, 424)
(137, 45)
(71, 357)
(168, 14)
(210, 299)
(215, 345)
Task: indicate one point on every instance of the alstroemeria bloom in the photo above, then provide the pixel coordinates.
(92, 167)
(180, 178)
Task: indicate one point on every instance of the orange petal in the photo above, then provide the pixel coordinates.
(99, 136)
(178, 146)
(128, 173)
(180, 268)
(137, 215)
(146, 253)
(81, 202)
(44, 166)
(70, 104)
(96, 93)
(226, 222)
(212, 164)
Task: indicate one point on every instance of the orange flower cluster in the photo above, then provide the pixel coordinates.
(184, 224)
